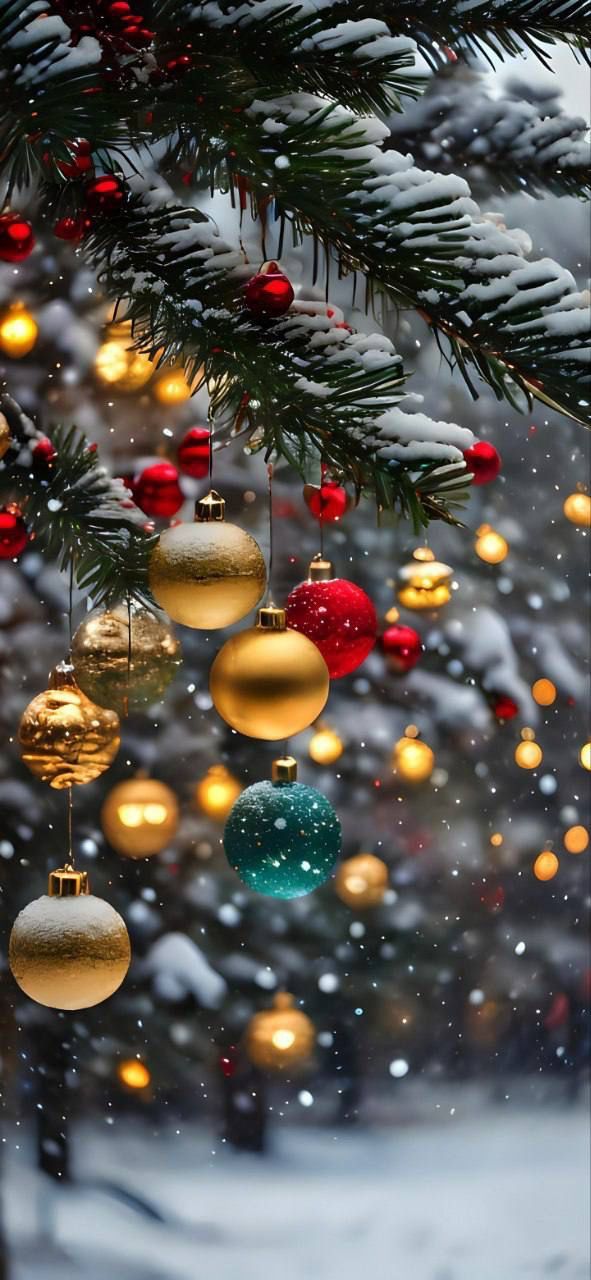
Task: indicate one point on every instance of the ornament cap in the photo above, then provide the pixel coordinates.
(65, 882)
(62, 677)
(320, 570)
(271, 618)
(284, 769)
(211, 507)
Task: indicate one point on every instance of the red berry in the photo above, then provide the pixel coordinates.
(338, 617)
(13, 533)
(16, 238)
(193, 453)
(157, 491)
(44, 452)
(80, 163)
(104, 195)
(269, 293)
(328, 501)
(504, 707)
(483, 460)
(72, 228)
(402, 648)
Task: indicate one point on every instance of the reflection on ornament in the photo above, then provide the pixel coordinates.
(424, 583)
(68, 949)
(362, 881)
(67, 740)
(18, 331)
(280, 1038)
(325, 746)
(585, 756)
(171, 386)
(577, 509)
(208, 574)
(543, 692)
(269, 292)
(140, 817)
(546, 865)
(412, 760)
(133, 1073)
(117, 364)
(490, 546)
(122, 671)
(528, 753)
(282, 838)
(576, 839)
(336, 615)
(217, 791)
(269, 681)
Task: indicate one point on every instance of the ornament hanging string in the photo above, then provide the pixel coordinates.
(70, 607)
(70, 814)
(128, 684)
(270, 493)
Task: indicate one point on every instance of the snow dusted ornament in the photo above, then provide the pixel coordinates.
(269, 293)
(424, 583)
(336, 615)
(280, 1038)
(68, 949)
(282, 838)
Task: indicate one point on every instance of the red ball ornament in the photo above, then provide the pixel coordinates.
(72, 228)
(80, 162)
(483, 460)
(402, 648)
(13, 533)
(504, 707)
(104, 195)
(193, 453)
(327, 501)
(336, 615)
(269, 293)
(44, 453)
(16, 238)
(157, 491)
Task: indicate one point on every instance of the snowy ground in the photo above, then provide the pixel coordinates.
(485, 1193)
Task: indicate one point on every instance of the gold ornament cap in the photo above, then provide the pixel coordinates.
(320, 570)
(211, 507)
(271, 618)
(65, 882)
(285, 769)
(62, 677)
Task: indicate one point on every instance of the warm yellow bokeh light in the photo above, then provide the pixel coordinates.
(546, 865)
(361, 881)
(121, 367)
(134, 815)
(528, 755)
(325, 746)
(576, 839)
(18, 332)
(216, 792)
(134, 1074)
(496, 839)
(413, 760)
(171, 387)
(490, 546)
(543, 692)
(585, 756)
(577, 509)
(282, 1039)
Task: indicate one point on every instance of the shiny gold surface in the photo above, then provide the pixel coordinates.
(285, 769)
(100, 655)
(362, 881)
(140, 817)
(208, 574)
(69, 952)
(424, 583)
(65, 882)
(320, 570)
(67, 740)
(280, 1038)
(269, 684)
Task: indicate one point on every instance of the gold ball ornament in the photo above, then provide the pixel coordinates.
(68, 949)
(577, 509)
(362, 881)
(585, 756)
(269, 681)
(18, 331)
(546, 865)
(216, 792)
(67, 740)
(528, 753)
(325, 745)
(208, 574)
(412, 760)
(121, 670)
(280, 1038)
(117, 364)
(424, 583)
(490, 546)
(5, 436)
(140, 817)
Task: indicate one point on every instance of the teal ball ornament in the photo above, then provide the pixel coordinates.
(282, 838)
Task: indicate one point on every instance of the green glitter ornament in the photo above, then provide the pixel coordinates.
(282, 838)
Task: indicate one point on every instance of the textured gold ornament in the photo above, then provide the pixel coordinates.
(362, 881)
(216, 792)
(67, 740)
(424, 583)
(5, 437)
(140, 817)
(280, 1038)
(269, 681)
(208, 574)
(68, 949)
(412, 760)
(123, 672)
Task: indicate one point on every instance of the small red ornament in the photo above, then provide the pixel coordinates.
(80, 162)
(157, 491)
(13, 533)
(193, 452)
(483, 460)
(402, 648)
(327, 501)
(16, 238)
(269, 293)
(44, 452)
(504, 707)
(336, 615)
(104, 195)
(72, 228)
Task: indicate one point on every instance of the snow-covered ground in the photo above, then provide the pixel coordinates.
(458, 1190)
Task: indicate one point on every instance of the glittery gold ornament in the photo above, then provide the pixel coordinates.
(280, 1038)
(577, 509)
(424, 583)
(269, 681)
(118, 364)
(5, 437)
(67, 740)
(18, 331)
(140, 817)
(68, 949)
(362, 881)
(123, 671)
(216, 792)
(208, 574)
(412, 760)
(490, 546)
